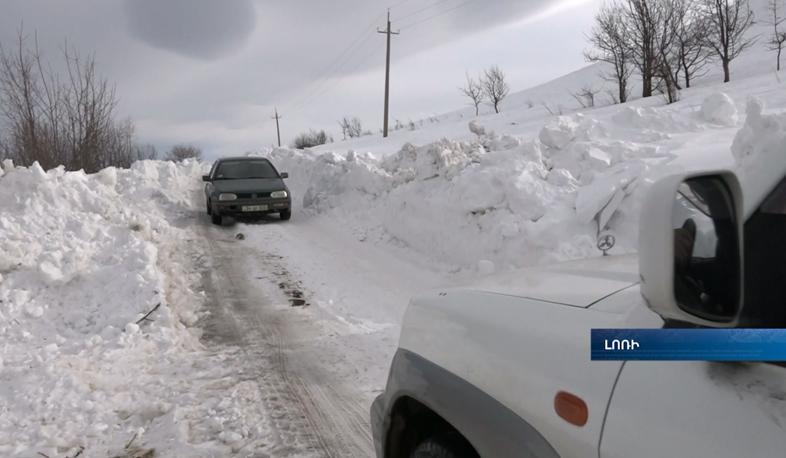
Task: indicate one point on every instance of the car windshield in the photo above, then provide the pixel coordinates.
(236, 170)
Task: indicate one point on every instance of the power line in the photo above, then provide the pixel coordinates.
(368, 56)
(296, 104)
(324, 80)
(399, 3)
(373, 23)
(420, 10)
(436, 15)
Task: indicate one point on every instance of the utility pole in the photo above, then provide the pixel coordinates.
(387, 32)
(278, 132)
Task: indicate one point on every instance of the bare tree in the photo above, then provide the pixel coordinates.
(352, 128)
(692, 53)
(640, 18)
(495, 87)
(474, 90)
(669, 14)
(555, 111)
(778, 37)
(609, 36)
(728, 22)
(311, 139)
(146, 152)
(69, 122)
(183, 151)
(586, 96)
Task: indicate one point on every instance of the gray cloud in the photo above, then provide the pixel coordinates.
(201, 29)
(214, 70)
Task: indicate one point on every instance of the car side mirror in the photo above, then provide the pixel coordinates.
(690, 249)
(284, 175)
(205, 177)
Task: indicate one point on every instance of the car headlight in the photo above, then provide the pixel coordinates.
(278, 194)
(227, 196)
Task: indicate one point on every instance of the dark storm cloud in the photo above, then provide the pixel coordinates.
(201, 29)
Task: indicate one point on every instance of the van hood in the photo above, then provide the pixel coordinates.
(576, 283)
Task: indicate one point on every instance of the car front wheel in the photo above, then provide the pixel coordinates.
(449, 446)
(285, 215)
(216, 219)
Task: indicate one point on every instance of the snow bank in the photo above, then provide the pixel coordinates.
(490, 203)
(83, 258)
(495, 201)
(758, 150)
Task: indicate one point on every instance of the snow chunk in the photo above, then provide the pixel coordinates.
(720, 109)
(476, 128)
(559, 133)
(760, 133)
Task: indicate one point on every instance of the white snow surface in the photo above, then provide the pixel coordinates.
(82, 259)
(502, 201)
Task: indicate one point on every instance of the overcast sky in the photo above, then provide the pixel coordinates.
(211, 72)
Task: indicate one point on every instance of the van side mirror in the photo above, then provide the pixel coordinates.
(284, 175)
(205, 177)
(690, 248)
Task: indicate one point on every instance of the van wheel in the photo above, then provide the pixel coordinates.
(449, 446)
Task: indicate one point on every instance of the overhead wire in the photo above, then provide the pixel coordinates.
(399, 3)
(421, 10)
(325, 80)
(319, 78)
(295, 103)
(367, 57)
(435, 15)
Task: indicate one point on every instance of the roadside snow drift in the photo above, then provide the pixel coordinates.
(500, 201)
(83, 258)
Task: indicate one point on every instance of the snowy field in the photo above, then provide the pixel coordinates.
(106, 280)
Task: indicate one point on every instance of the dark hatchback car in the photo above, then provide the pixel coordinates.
(246, 187)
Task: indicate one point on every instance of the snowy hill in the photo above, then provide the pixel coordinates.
(522, 109)
(535, 187)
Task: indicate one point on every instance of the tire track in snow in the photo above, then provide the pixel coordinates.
(341, 424)
(305, 414)
(280, 413)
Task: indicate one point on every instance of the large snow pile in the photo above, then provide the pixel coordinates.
(761, 140)
(499, 201)
(83, 258)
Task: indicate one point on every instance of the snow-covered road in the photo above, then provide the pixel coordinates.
(293, 299)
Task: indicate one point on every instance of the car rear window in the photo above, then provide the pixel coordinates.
(230, 170)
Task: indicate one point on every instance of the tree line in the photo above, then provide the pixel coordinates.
(68, 119)
(669, 43)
